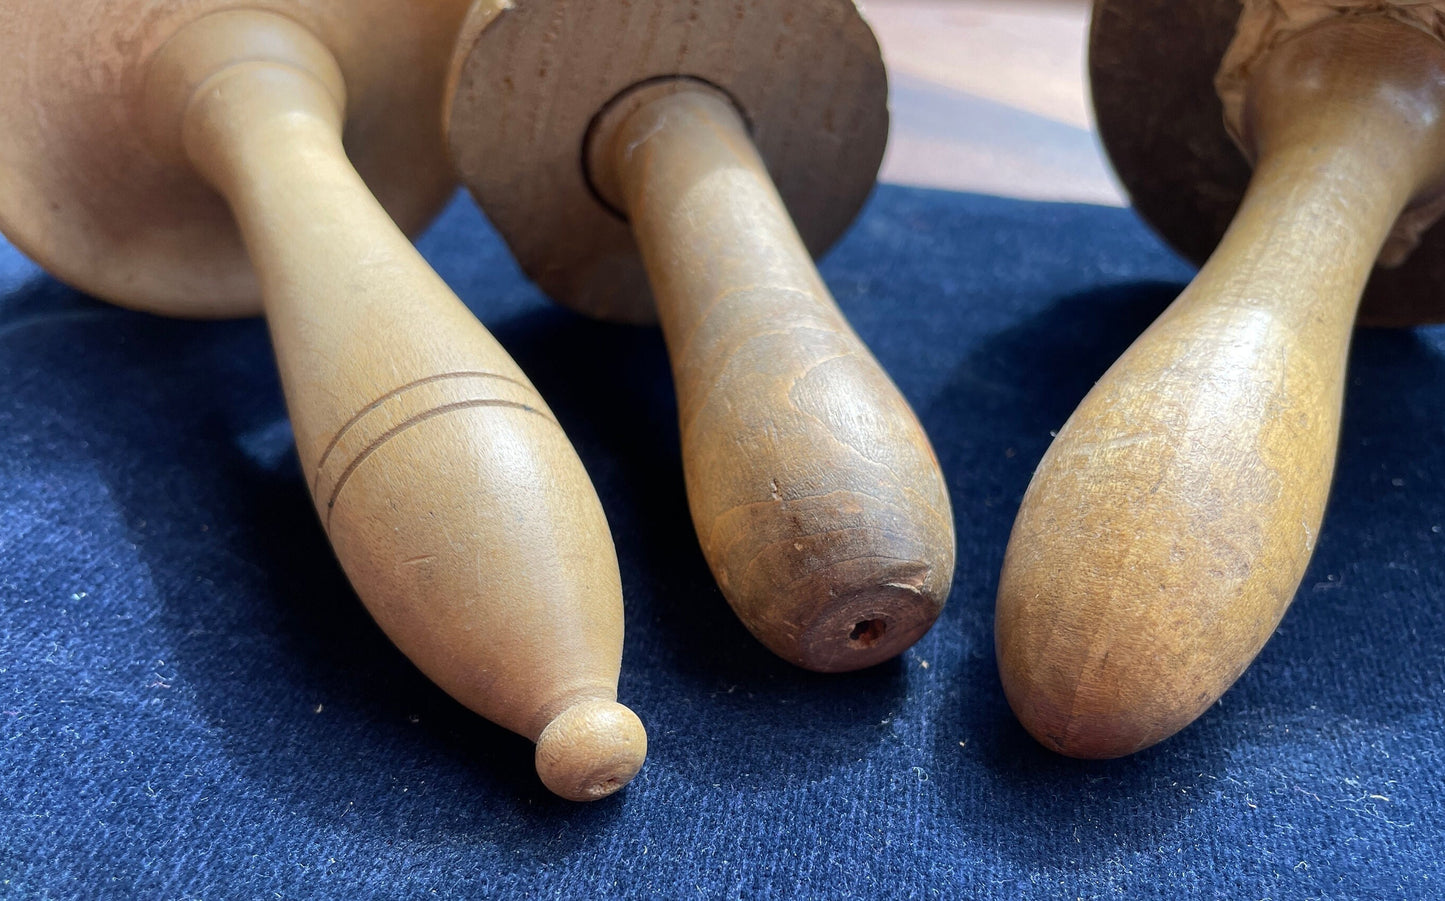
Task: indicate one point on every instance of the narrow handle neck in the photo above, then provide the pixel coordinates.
(336, 273)
(707, 217)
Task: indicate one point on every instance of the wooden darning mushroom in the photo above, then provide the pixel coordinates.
(186, 158)
(1169, 525)
(662, 151)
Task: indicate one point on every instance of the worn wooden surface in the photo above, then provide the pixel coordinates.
(1181, 170)
(817, 498)
(1168, 527)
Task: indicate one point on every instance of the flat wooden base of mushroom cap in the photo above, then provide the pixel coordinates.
(1151, 66)
(528, 80)
(83, 195)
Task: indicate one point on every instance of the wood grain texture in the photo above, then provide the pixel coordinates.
(816, 496)
(529, 77)
(82, 193)
(1168, 527)
(455, 504)
(817, 499)
(1152, 65)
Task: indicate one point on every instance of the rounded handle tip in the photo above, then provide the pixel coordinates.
(870, 615)
(1094, 731)
(591, 750)
(1105, 673)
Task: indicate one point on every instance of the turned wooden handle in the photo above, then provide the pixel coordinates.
(816, 496)
(456, 505)
(1168, 527)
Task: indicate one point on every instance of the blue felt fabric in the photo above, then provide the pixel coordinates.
(193, 703)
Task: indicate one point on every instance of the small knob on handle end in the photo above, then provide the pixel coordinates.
(591, 750)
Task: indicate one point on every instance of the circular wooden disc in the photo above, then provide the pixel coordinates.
(1152, 65)
(83, 196)
(529, 78)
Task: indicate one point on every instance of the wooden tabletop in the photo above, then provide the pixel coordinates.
(990, 96)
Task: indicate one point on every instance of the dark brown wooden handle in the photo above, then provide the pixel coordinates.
(816, 496)
(1168, 527)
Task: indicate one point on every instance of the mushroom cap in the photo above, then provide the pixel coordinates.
(82, 193)
(1152, 65)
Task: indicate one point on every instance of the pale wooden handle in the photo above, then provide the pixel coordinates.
(456, 505)
(816, 496)
(1167, 528)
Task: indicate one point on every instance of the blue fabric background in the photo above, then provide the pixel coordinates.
(194, 704)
